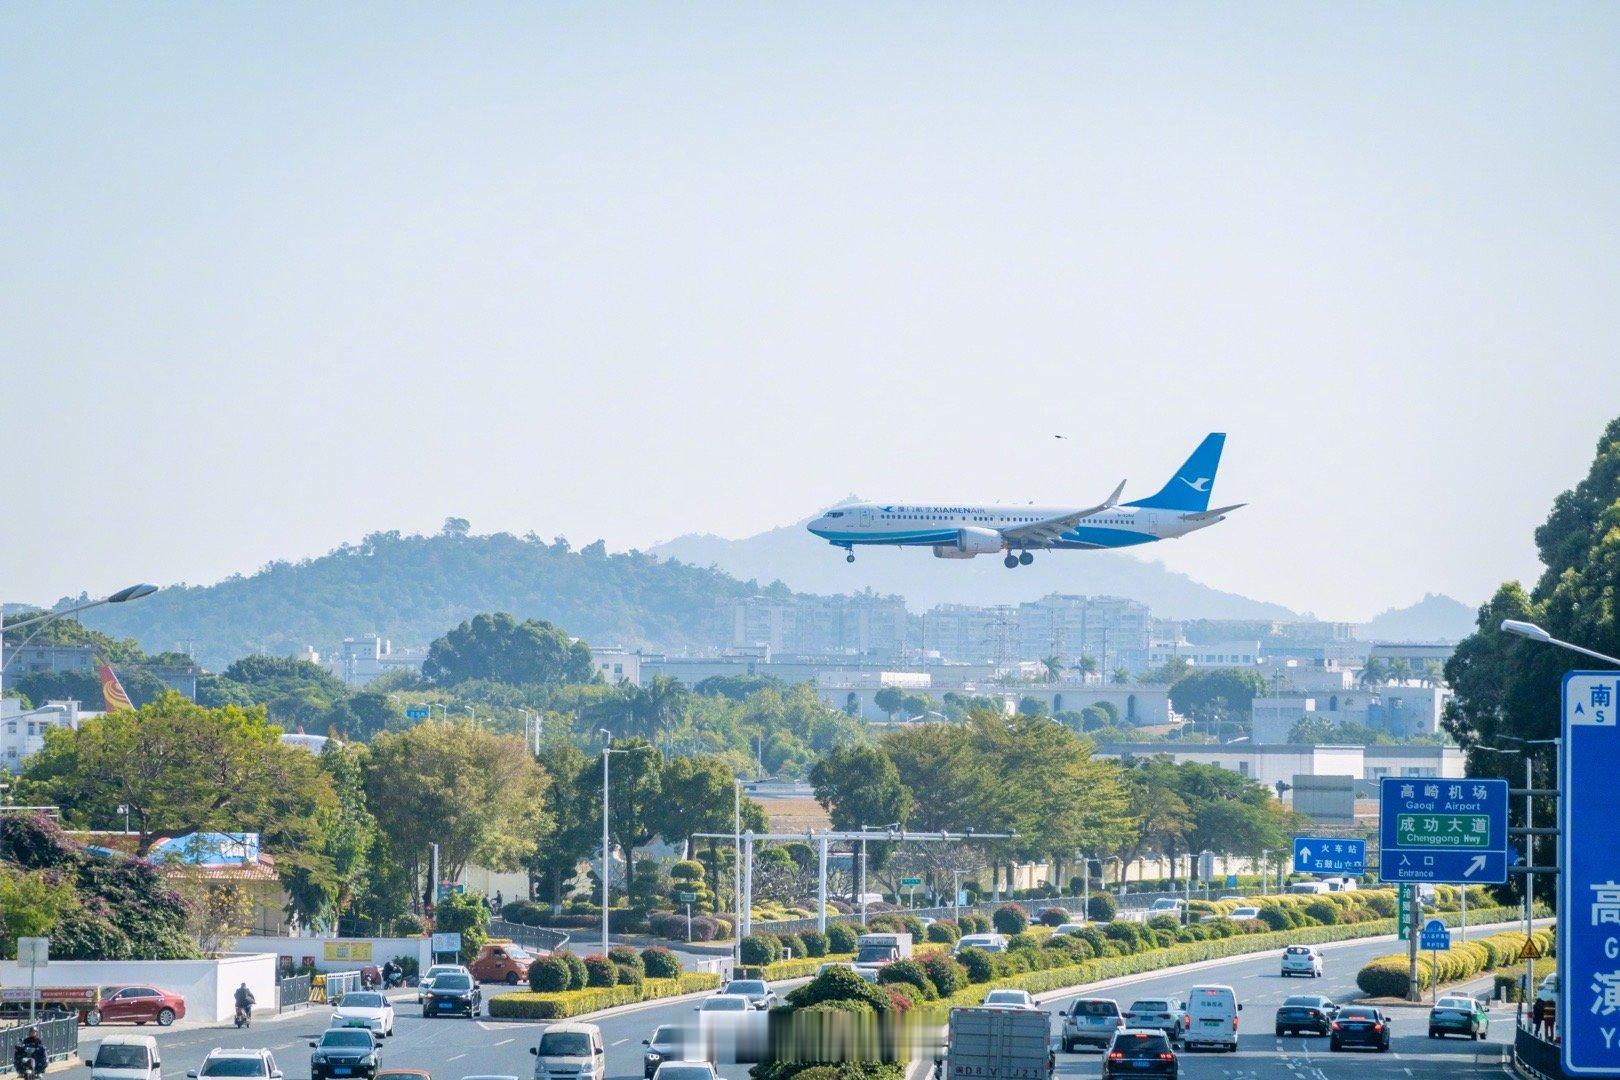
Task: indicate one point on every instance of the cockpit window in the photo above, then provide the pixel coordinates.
(835, 513)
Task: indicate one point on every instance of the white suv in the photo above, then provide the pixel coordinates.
(1302, 960)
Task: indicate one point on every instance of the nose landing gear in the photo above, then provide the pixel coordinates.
(851, 556)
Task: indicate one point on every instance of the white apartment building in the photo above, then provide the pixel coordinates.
(1271, 764)
(1112, 631)
(616, 664)
(864, 624)
(362, 659)
(22, 731)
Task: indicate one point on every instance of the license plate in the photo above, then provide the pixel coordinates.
(1140, 1064)
(341, 1071)
(1211, 1023)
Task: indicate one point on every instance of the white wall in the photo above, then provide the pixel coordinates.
(208, 986)
(382, 950)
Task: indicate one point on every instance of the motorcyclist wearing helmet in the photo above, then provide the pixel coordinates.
(29, 1057)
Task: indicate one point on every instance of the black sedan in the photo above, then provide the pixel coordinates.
(451, 994)
(1306, 1012)
(344, 1052)
(1359, 1026)
(671, 1042)
(1140, 1052)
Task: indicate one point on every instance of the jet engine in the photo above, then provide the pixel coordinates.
(970, 542)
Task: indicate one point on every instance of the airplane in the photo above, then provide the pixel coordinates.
(963, 532)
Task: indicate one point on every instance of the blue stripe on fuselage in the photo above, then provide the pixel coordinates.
(1083, 537)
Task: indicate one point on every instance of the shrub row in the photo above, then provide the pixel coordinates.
(564, 971)
(557, 1005)
(1114, 965)
(1386, 976)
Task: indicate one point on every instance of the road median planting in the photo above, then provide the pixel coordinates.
(1386, 976)
(560, 1004)
(1060, 976)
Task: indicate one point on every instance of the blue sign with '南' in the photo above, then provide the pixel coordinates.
(1589, 900)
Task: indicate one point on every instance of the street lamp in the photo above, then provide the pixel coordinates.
(737, 785)
(124, 595)
(607, 752)
(1533, 632)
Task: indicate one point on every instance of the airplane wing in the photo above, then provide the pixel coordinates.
(1207, 515)
(1041, 532)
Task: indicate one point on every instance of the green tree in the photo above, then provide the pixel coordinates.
(697, 796)
(1054, 667)
(479, 795)
(182, 768)
(498, 647)
(573, 820)
(325, 880)
(889, 699)
(31, 905)
(1509, 687)
(1215, 698)
(858, 785)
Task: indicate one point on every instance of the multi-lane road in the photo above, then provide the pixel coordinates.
(451, 1049)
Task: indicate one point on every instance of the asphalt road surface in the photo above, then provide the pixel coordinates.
(451, 1049)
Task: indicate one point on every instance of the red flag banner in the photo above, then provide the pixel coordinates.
(112, 689)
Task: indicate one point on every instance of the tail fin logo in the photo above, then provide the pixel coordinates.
(1200, 485)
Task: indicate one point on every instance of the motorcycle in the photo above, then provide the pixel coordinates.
(395, 979)
(243, 1017)
(26, 1070)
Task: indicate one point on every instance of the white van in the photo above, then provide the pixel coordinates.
(1308, 887)
(125, 1057)
(1212, 1018)
(572, 1050)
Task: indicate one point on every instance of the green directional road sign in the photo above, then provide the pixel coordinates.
(686, 897)
(911, 883)
(1443, 830)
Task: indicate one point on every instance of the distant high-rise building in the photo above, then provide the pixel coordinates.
(864, 624)
(1113, 632)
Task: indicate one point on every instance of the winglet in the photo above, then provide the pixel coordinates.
(1113, 500)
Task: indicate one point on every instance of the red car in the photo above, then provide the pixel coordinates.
(137, 1005)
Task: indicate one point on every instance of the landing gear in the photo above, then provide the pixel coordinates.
(851, 556)
(1010, 562)
(1025, 558)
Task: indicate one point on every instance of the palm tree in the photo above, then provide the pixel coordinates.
(1121, 676)
(1086, 665)
(1054, 667)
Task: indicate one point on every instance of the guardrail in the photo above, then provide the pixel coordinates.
(543, 938)
(1535, 1057)
(61, 1039)
(292, 992)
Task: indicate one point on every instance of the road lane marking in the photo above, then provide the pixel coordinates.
(503, 1042)
(621, 1042)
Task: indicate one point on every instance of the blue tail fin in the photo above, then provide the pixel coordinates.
(1189, 488)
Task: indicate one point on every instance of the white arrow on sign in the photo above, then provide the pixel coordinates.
(1477, 864)
(1305, 853)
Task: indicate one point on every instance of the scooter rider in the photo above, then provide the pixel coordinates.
(245, 1000)
(392, 973)
(29, 1057)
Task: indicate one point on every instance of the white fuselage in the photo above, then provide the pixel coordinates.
(924, 524)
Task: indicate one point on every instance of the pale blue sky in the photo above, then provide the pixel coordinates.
(275, 276)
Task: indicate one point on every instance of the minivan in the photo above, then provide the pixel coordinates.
(1212, 1018)
(571, 1050)
(126, 1057)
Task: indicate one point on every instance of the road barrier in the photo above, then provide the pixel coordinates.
(1535, 1057)
(61, 1039)
(533, 937)
(333, 985)
(292, 992)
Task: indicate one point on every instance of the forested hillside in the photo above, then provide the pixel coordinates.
(413, 588)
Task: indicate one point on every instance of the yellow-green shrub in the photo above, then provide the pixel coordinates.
(556, 1005)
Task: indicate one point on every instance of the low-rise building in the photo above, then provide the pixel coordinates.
(362, 659)
(22, 731)
(616, 664)
(1273, 764)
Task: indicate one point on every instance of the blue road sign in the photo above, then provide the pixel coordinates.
(1231, 881)
(416, 713)
(1589, 898)
(1439, 830)
(1436, 936)
(1329, 855)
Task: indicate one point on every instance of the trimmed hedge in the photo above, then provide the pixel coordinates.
(841, 939)
(1113, 966)
(659, 963)
(1386, 976)
(530, 1005)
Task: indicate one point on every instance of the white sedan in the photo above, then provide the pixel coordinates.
(365, 1009)
(1008, 999)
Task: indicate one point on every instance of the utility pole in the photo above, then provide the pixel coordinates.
(1414, 931)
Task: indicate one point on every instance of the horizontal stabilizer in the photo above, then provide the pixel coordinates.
(1207, 515)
